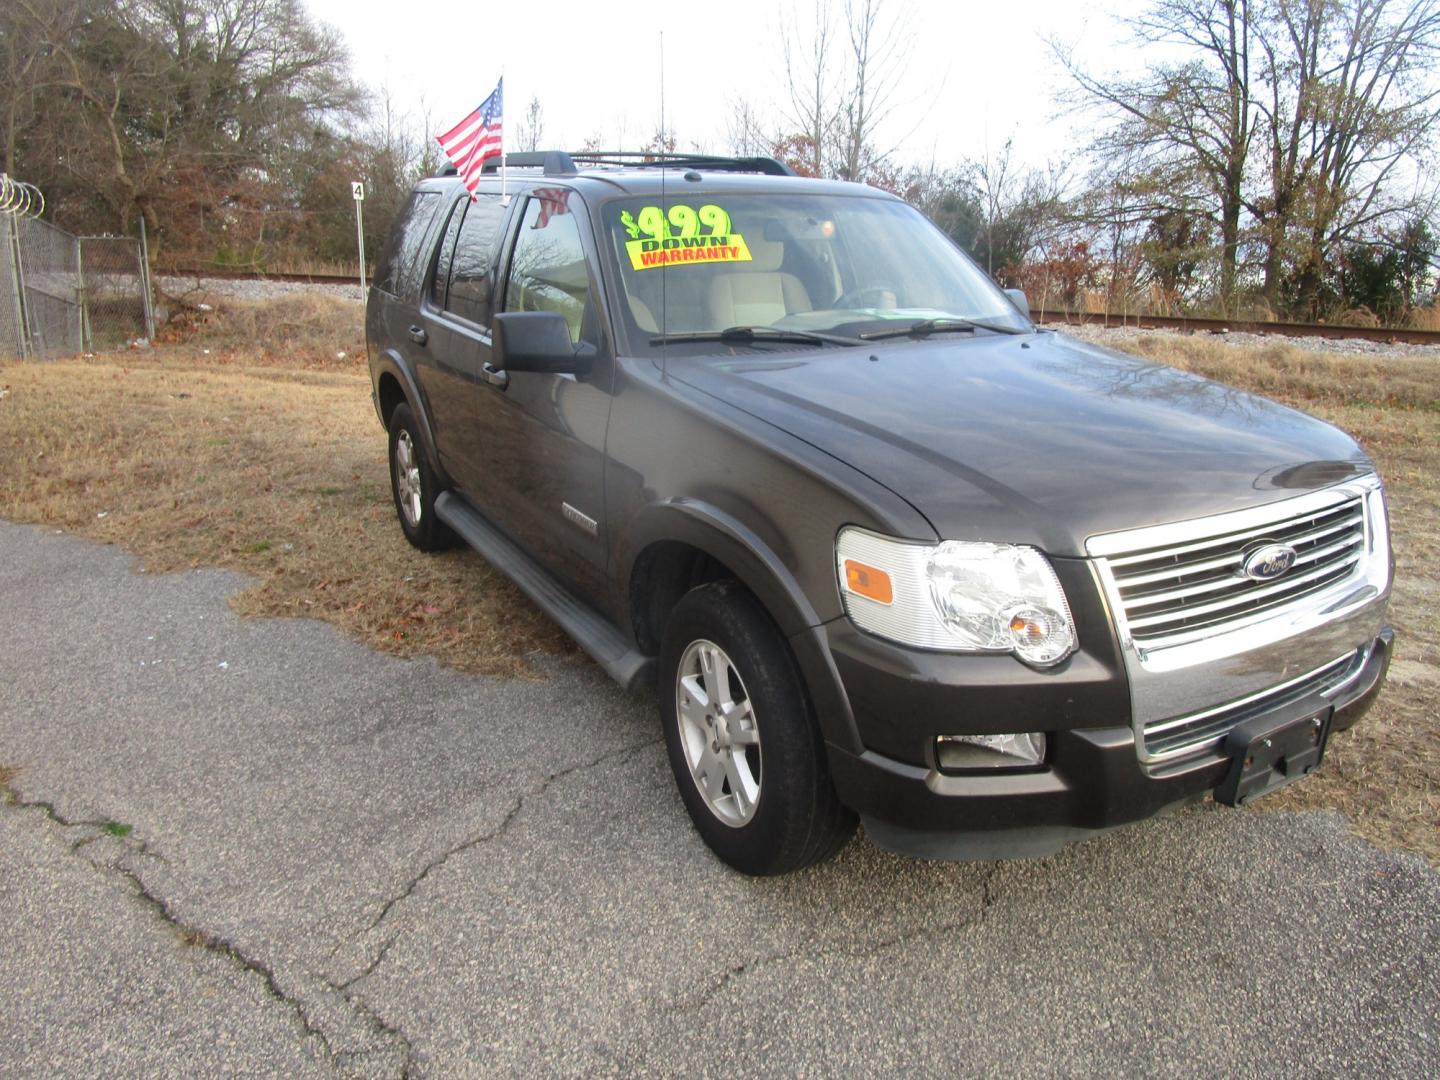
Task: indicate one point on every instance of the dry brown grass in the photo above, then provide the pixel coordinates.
(1384, 773)
(233, 460)
(296, 330)
(264, 455)
(1426, 318)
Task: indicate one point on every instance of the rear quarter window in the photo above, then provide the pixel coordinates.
(401, 266)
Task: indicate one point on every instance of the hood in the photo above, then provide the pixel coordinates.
(1036, 439)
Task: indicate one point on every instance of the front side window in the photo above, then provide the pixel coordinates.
(548, 271)
(472, 269)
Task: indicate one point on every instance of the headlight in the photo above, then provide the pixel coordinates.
(956, 596)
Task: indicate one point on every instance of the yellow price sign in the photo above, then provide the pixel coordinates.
(684, 236)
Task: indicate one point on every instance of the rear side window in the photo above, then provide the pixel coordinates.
(472, 270)
(548, 271)
(400, 264)
(447, 251)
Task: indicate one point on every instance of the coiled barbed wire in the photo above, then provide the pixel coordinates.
(20, 199)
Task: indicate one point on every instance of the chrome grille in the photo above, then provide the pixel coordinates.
(1180, 592)
(1185, 736)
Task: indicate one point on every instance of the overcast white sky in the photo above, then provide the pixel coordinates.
(975, 73)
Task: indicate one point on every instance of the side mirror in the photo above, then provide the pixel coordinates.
(1019, 299)
(537, 341)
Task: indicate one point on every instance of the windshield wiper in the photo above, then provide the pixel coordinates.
(926, 327)
(745, 335)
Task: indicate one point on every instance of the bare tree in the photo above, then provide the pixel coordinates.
(1370, 107)
(812, 82)
(1196, 114)
(531, 133)
(163, 100)
(877, 49)
(745, 132)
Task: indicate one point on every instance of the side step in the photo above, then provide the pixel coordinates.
(591, 630)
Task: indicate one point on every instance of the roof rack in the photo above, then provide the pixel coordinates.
(561, 163)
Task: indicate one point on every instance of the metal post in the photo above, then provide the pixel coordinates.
(17, 278)
(145, 288)
(358, 190)
(87, 337)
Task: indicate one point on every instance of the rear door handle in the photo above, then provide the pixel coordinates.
(494, 376)
(418, 335)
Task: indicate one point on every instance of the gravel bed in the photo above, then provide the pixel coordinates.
(207, 289)
(1114, 335)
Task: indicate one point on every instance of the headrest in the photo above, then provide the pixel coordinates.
(766, 255)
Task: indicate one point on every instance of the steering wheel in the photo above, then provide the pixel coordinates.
(873, 297)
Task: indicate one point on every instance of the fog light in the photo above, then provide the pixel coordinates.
(1024, 750)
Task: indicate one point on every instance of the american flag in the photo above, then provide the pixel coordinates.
(476, 139)
(553, 201)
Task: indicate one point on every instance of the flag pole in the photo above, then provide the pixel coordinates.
(504, 195)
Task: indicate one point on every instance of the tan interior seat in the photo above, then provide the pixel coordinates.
(643, 316)
(756, 293)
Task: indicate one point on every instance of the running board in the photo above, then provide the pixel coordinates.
(591, 630)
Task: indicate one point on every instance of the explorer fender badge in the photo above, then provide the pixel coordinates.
(1269, 562)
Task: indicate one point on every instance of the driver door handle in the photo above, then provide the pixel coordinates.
(494, 376)
(418, 335)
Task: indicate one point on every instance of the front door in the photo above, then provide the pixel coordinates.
(546, 446)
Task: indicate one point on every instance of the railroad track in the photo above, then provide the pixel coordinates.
(1387, 335)
(1184, 324)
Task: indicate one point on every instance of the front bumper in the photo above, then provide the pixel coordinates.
(1093, 780)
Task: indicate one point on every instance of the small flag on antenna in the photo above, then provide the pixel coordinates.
(476, 139)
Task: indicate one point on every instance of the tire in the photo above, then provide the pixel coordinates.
(765, 742)
(413, 486)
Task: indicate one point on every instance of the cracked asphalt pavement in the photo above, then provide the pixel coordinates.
(252, 846)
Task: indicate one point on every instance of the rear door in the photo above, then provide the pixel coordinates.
(455, 319)
(401, 271)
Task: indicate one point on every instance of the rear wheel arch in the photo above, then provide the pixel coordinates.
(395, 385)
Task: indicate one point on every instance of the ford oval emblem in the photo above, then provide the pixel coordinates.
(1269, 562)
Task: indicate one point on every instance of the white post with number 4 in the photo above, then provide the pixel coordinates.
(357, 191)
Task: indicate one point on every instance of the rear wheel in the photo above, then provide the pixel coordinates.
(742, 740)
(413, 485)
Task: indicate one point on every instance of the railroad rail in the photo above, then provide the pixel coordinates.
(1185, 324)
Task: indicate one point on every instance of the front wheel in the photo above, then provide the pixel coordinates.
(413, 485)
(742, 740)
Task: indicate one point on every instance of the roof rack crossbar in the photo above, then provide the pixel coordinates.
(639, 159)
(551, 162)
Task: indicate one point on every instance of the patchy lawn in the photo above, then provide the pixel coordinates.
(248, 442)
(255, 449)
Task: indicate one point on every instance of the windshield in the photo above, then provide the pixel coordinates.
(841, 265)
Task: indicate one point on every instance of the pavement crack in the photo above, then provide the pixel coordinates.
(200, 938)
(535, 791)
(369, 968)
(381, 1031)
(718, 981)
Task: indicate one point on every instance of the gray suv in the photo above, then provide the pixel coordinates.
(887, 552)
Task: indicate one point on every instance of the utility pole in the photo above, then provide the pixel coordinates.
(357, 189)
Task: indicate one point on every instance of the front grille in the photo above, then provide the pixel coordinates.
(1187, 735)
(1181, 592)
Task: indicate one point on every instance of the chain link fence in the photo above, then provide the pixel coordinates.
(62, 294)
(115, 291)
